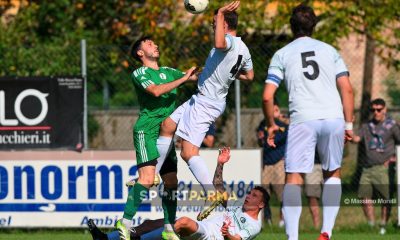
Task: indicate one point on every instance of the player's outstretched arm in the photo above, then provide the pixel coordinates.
(218, 181)
(158, 90)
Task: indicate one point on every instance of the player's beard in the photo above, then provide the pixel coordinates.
(154, 56)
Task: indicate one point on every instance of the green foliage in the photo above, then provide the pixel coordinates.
(393, 90)
(44, 38)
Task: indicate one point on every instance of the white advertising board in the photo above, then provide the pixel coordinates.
(398, 185)
(65, 189)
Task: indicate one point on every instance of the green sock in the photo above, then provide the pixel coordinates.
(169, 203)
(135, 197)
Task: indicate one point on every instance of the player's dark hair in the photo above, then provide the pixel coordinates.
(378, 101)
(136, 47)
(231, 18)
(264, 193)
(303, 21)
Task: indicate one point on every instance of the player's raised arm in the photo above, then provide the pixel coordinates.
(219, 41)
(218, 181)
(158, 90)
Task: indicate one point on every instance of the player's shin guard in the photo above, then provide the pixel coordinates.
(331, 202)
(292, 210)
(135, 197)
(169, 203)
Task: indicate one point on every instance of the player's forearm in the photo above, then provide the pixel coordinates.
(268, 109)
(346, 92)
(247, 76)
(219, 41)
(218, 180)
(348, 105)
(158, 90)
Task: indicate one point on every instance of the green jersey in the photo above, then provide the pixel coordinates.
(150, 106)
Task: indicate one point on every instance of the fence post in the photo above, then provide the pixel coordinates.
(238, 115)
(84, 76)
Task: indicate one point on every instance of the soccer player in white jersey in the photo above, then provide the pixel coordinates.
(320, 117)
(236, 222)
(229, 60)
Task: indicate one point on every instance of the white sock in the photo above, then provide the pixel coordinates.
(127, 223)
(331, 195)
(200, 171)
(292, 210)
(168, 227)
(164, 145)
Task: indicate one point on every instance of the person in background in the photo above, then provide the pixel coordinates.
(378, 137)
(273, 175)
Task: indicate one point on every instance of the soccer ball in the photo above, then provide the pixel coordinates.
(196, 6)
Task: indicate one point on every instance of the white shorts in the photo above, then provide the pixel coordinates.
(327, 135)
(206, 231)
(195, 116)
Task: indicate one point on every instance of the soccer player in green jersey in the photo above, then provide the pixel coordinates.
(156, 90)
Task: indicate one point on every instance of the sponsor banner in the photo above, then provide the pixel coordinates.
(65, 189)
(41, 112)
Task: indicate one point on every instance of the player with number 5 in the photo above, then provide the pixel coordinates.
(229, 60)
(321, 114)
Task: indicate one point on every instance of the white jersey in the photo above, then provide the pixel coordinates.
(238, 221)
(222, 66)
(309, 69)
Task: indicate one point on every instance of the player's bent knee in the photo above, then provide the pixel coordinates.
(183, 222)
(147, 179)
(168, 127)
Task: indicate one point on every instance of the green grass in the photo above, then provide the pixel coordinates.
(350, 225)
(269, 233)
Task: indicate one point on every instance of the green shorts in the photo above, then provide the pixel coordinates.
(374, 178)
(145, 143)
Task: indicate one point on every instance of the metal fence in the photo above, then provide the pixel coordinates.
(113, 105)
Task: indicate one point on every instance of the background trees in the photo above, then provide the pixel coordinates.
(43, 38)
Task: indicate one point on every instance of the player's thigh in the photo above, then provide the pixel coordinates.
(145, 144)
(330, 143)
(178, 113)
(300, 148)
(197, 118)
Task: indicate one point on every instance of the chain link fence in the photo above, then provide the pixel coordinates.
(113, 105)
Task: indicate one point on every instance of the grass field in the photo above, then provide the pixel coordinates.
(273, 234)
(350, 225)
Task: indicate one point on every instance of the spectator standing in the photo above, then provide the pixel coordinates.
(378, 137)
(273, 175)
